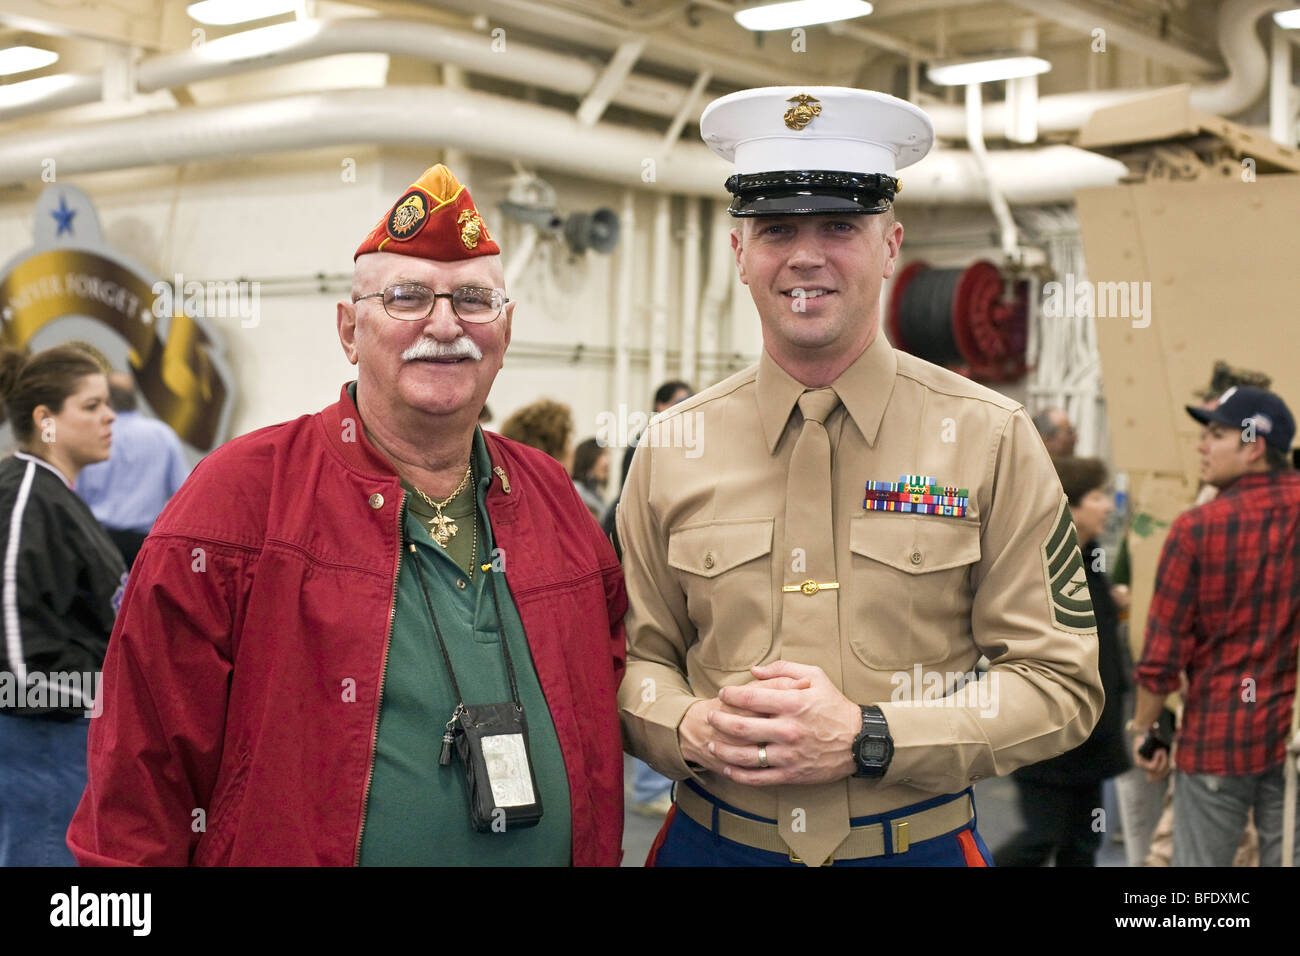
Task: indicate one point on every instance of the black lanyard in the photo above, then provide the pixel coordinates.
(490, 574)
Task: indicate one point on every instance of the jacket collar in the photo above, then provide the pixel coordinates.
(44, 464)
(347, 435)
(864, 389)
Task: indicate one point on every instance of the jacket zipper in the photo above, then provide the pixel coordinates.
(383, 673)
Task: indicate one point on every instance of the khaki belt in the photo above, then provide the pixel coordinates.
(862, 841)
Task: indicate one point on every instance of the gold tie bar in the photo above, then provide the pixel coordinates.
(812, 587)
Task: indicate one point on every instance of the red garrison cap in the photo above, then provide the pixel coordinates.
(434, 219)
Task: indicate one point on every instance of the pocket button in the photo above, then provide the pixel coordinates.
(708, 560)
(916, 557)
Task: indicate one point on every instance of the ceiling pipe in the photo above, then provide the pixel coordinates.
(492, 126)
(532, 65)
(300, 40)
(998, 202)
(1244, 55)
(666, 47)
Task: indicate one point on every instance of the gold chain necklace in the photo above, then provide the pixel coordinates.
(441, 528)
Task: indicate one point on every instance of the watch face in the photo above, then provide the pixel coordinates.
(872, 749)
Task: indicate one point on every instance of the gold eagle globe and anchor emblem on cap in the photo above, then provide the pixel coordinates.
(407, 216)
(471, 228)
(802, 113)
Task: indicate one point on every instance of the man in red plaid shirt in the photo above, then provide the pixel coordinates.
(1226, 612)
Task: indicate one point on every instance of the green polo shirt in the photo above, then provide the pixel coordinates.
(417, 813)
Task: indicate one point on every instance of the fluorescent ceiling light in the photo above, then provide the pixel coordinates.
(800, 13)
(1288, 19)
(222, 13)
(20, 59)
(985, 69)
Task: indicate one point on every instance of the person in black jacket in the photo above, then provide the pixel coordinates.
(62, 582)
(1060, 799)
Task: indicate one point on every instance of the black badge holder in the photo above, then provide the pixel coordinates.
(491, 739)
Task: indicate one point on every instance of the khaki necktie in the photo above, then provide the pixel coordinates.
(813, 819)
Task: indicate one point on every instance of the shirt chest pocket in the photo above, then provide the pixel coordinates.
(724, 569)
(910, 596)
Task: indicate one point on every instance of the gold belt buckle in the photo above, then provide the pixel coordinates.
(811, 587)
(830, 860)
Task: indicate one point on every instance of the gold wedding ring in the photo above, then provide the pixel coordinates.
(762, 756)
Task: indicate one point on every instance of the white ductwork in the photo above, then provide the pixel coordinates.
(1043, 175)
(998, 202)
(535, 66)
(1244, 56)
(496, 127)
(301, 40)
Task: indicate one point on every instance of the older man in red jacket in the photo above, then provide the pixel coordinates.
(305, 663)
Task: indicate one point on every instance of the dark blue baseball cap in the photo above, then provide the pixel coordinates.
(1242, 403)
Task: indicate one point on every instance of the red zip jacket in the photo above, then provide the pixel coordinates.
(241, 686)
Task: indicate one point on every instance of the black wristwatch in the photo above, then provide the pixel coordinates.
(873, 748)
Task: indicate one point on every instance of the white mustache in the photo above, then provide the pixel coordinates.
(425, 348)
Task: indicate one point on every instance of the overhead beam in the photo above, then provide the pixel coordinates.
(610, 80)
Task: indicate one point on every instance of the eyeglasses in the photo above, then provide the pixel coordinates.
(412, 302)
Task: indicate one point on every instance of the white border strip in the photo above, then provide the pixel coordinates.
(13, 635)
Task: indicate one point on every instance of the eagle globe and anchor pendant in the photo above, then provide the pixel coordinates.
(442, 529)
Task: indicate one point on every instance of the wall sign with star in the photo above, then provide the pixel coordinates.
(71, 285)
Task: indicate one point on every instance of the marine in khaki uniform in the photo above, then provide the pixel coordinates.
(819, 549)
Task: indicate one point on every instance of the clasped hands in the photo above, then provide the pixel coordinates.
(802, 722)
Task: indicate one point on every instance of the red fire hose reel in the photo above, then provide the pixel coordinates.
(963, 319)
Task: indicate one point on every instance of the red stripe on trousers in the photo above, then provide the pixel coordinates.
(659, 837)
(969, 849)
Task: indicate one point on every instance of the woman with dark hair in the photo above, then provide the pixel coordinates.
(590, 475)
(62, 584)
(1060, 799)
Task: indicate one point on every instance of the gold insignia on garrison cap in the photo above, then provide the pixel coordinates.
(801, 114)
(471, 228)
(407, 216)
(1067, 584)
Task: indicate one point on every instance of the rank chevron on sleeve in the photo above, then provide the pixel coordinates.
(1067, 582)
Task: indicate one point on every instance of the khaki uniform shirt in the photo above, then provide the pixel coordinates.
(921, 596)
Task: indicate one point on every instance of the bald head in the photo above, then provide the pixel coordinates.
(1058, 434)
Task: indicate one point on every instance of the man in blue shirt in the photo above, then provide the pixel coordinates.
(144, 469)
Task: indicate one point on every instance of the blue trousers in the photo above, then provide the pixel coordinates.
(42, 776)
(683, 842)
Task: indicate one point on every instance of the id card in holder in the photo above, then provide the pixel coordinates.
(492, 740)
